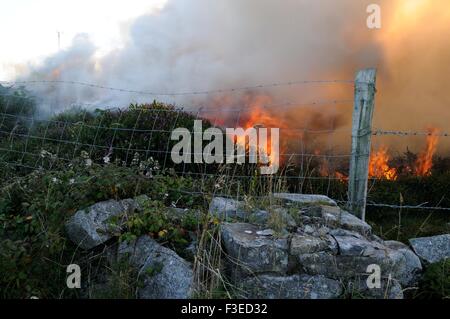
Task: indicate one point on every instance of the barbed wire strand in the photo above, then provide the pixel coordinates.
(411, 133)
(186, 93)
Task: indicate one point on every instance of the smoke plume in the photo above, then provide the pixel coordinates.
(207, 45)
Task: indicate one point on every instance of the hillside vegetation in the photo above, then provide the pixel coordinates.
(52, 167)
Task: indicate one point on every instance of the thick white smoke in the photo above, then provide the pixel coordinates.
(206, 45)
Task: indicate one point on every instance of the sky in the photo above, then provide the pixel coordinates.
(29, 28)
(200, 45)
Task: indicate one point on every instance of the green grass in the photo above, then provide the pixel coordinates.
(406, 224)
(435, 283)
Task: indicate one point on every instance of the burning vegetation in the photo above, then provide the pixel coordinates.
(382, 164)
(379, 165)
(424, 163)
(380, 161)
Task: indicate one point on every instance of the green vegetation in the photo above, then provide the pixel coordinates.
(33, 210)
(52, 167)
(119, 281)
(403, 224)
(45, 180)
(156, 220)
(435, 282)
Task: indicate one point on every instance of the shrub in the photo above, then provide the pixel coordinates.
(435, 282)
(34, 208)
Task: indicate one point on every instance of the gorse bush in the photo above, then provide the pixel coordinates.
(106, 135)
(15, 104)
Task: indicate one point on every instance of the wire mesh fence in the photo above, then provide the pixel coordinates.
(312, 161)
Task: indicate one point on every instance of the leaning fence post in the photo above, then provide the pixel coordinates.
(361, 138)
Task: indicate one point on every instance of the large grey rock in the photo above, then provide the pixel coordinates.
(291, 287)
(432, 249)
(93, 226)
(274, 214)
(319, 240)
(337, 218)
(259, 217)
(163, 273)
(401, 264)
(351, 222)
(389, 289)
(224, 208)
(250, 253)
(304, 199)
(409, 276)
(344, 232)
(308, 229)
(355, 255)
(354, 246)
(280, 218)
(306, 244)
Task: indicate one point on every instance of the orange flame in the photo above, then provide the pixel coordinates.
(424, 162)
(258, 117)
(341, 177)
(325, 171)
(324, 167)
(379, 165)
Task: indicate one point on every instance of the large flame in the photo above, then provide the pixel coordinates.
(424, 162)
(379, 165)
(379, 161)
(258, 116)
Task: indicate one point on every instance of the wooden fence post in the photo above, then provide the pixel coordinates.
(361, 138)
